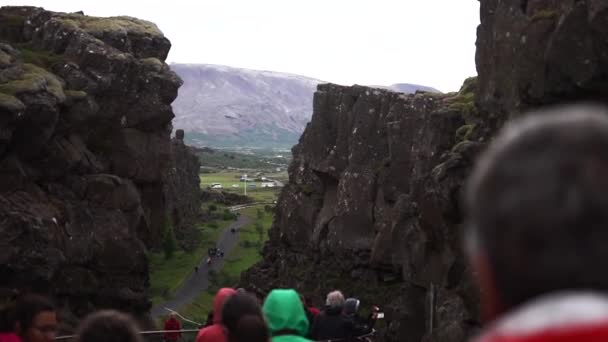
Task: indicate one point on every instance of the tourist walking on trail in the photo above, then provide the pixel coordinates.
(285, 316)
(172, 324)
(243, 319)
(108, 326)
(216, 332)
(331, 324)
(537, 228)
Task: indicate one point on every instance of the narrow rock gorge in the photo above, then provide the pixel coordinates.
(89, 177)
(372, 206)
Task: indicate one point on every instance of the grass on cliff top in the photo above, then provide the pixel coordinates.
(167, 275)
(98, 25)
(242, 257)
(41, 58)
(464, 100)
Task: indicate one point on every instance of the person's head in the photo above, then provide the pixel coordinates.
(537, 206)
(284, 311)
(172, 315)
(243, 319)
(35, 319)
(335, 299)
(351, 306)
(218, 302)
(108, 326)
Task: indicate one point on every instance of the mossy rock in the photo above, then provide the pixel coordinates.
(307, 189)
(11, 103)
(75, 94)
(96, 25)
(465, 132)
(34, 79)
(42, 58)
(464, 100)
(469, 86)
(544, 14)
(460, 146)
(5, 59)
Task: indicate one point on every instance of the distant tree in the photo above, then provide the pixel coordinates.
(169, 242)
(260, 214)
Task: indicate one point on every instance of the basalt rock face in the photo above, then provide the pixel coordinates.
(85, 122)
(541, 52)
(371, 207)
(183, 187)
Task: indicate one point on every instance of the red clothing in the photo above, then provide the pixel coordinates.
(172, 324)
(584, 333)
(9, 337)
(554, 318)
(314, 310)
(216, 332)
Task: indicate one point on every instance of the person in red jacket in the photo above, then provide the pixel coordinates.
(216, 331)
(537, 230)
(172, 324)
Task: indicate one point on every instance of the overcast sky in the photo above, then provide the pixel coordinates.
(371, 42)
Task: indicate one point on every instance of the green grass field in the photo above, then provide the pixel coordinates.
(232, 177)
(167, 275)
(243, 256)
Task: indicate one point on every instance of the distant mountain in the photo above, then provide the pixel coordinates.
(228, 107)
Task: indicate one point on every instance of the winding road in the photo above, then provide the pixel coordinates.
(198, 282)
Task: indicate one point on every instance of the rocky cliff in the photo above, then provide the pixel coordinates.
(372, 205)
(183, 190)
(85, 123)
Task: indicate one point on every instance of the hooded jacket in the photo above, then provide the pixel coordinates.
(215, 332)
(359, 325)
(172, 324)
(286, 316)
(562, 317)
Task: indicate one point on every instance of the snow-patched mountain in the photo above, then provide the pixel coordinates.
(227, 107)
(222, 106)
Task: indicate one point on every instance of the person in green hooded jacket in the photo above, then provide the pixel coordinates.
(286, 316)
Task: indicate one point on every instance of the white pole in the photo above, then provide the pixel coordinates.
(245, 182)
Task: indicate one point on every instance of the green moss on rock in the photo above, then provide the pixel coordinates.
(75, 94)
(464, 100)
(97, 25)
(11, 103)
(5, 59)
(544, 14)
(34, 79)
(465, 132)
(41, 58)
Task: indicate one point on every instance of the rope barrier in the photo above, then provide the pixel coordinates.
(158, 332)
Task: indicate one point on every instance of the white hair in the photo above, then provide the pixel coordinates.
(335, 299)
